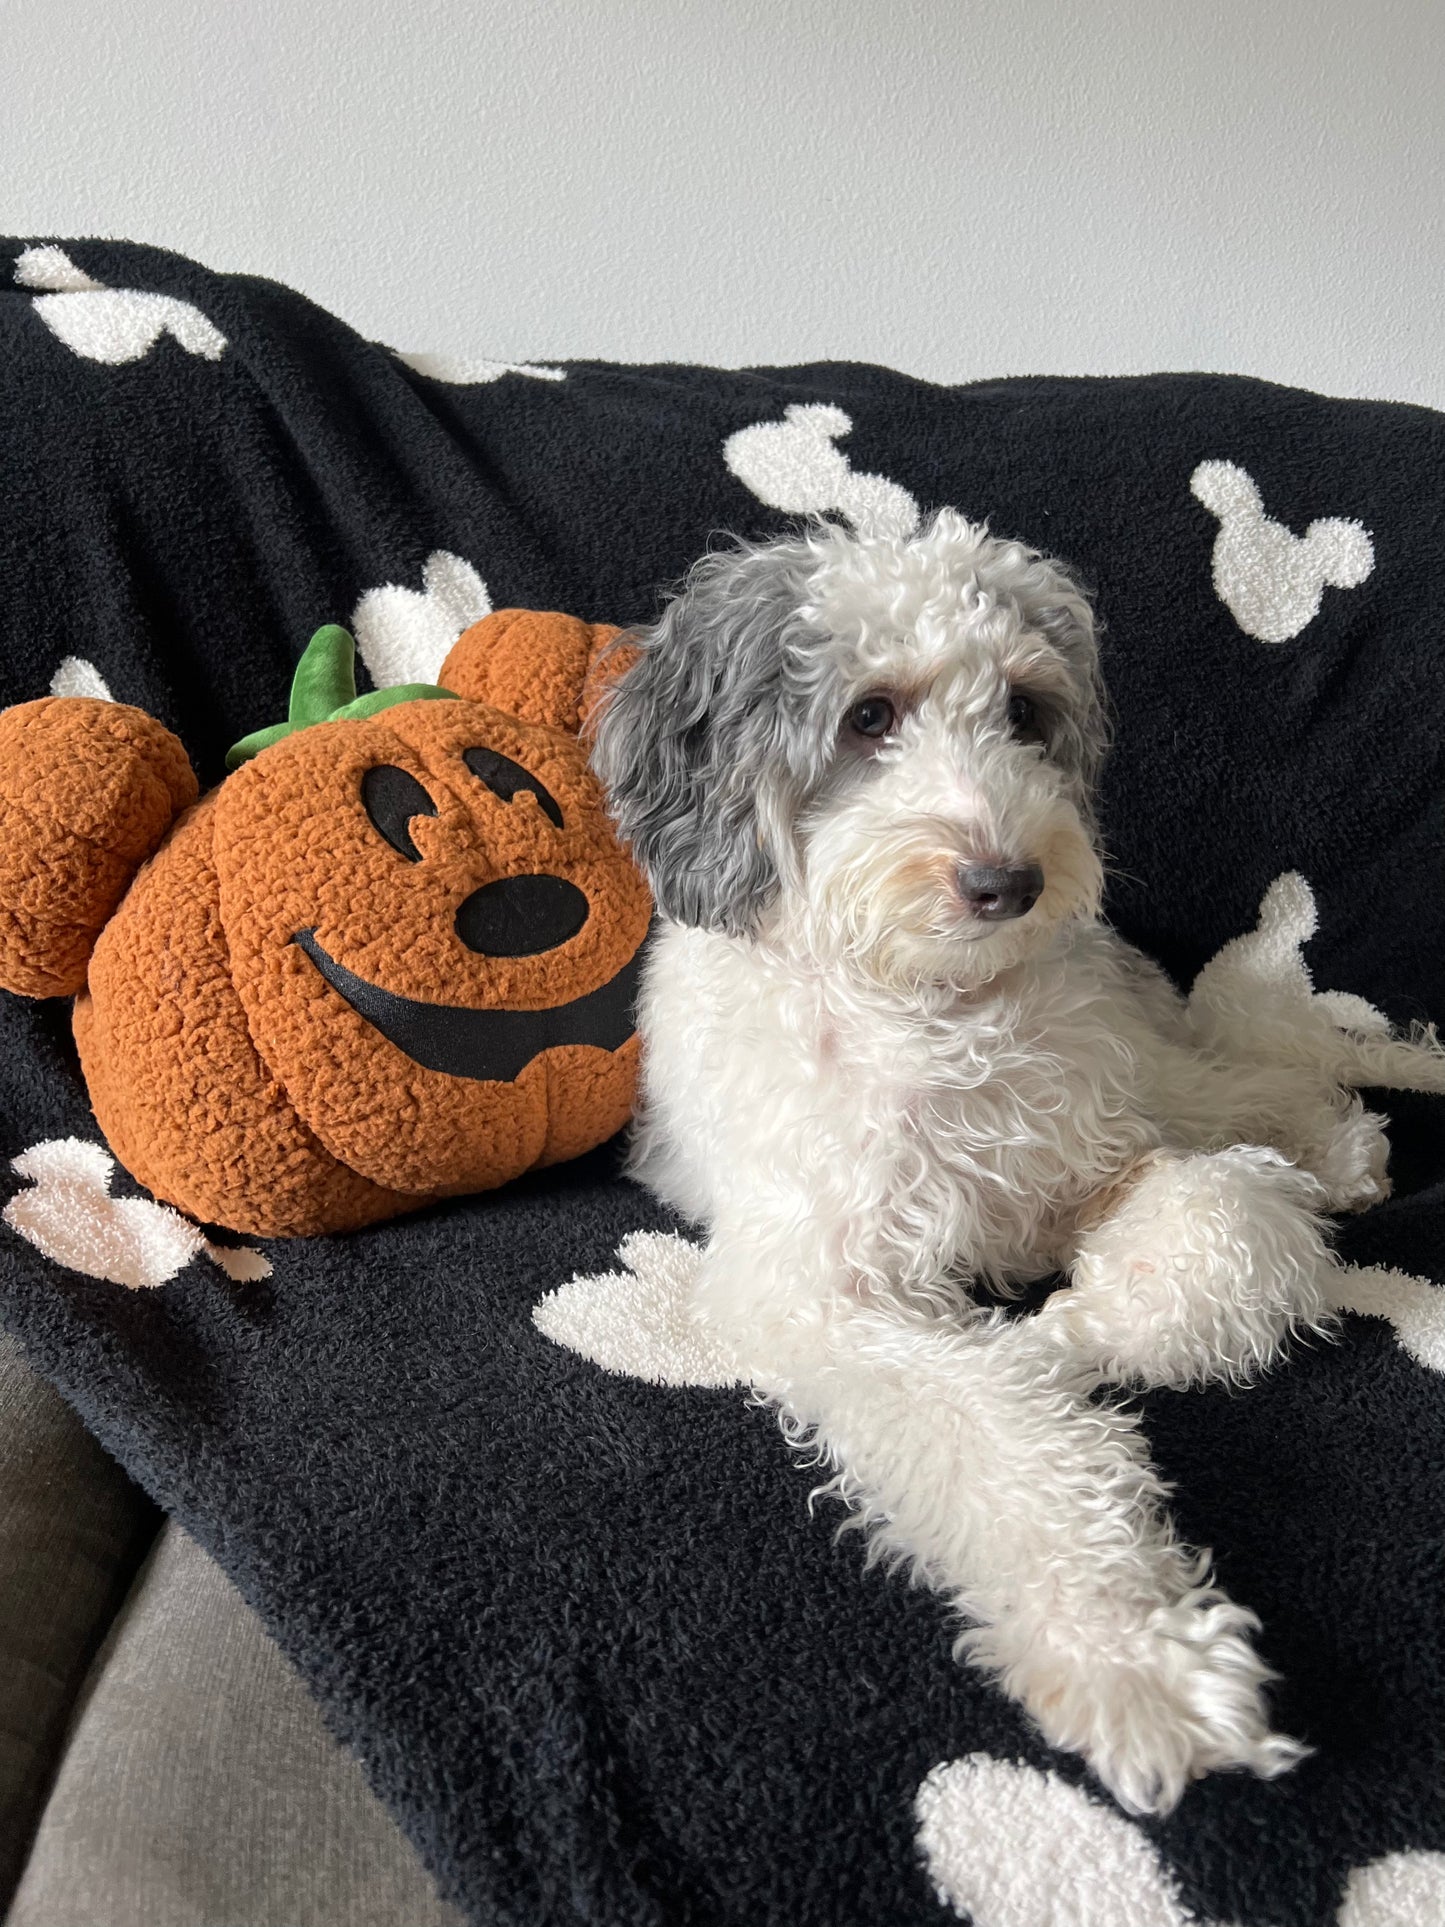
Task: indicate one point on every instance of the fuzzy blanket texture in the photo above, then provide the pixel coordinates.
(543, 1564)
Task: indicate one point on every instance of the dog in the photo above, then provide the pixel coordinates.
(893, 1054)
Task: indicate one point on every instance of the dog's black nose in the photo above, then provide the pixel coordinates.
(996, 895)
(520, 916)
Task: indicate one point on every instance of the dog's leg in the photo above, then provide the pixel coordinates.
(1212, 1103)
(1196, 1268)
(974, 1453)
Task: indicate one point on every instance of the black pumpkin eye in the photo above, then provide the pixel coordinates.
(391, 797)
(1023, 718)
(507, 779)
(873, 717)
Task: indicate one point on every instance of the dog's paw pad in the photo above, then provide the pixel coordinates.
(639, 1321)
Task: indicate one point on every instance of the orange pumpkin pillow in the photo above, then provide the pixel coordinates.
(391, 958)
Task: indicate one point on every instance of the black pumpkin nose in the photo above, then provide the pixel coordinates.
(520, 916)
(996, 895)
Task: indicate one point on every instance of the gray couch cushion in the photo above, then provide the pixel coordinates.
(73, 1530)
(199, 1787)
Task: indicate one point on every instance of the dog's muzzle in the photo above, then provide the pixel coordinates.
(996, 895)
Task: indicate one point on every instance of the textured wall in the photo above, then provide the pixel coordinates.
(956, 187)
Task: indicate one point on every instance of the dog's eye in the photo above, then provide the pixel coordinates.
(873, 717)
(507, 779)
(1023, 718)
(391, 797)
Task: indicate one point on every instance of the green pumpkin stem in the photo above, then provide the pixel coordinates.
(323, 690)
(325, 678)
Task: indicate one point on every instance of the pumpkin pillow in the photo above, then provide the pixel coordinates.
(391, 958)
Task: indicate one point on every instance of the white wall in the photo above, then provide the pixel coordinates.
(955, 187)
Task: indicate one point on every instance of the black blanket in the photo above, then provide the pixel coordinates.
(592, 1646)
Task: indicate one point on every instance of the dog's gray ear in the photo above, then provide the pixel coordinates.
(1057, 607)
(702, 745)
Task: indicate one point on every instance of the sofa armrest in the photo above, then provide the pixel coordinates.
(73, 1531)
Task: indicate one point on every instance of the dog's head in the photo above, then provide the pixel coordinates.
(879, 747)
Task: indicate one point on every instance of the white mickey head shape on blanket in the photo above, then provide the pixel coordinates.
(113, 325)
(1010, 1846)
(639, 1321)
(1271, 580)
(70, 1216)
(1256, 997)
(1413, 1306)
(403, 635)
(466, 371)
(794, 465)
(1398, 1890)
(75, 676)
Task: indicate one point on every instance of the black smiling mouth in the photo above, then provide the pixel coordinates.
(491, 1046)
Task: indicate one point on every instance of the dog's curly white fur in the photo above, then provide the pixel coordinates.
(875, 1084)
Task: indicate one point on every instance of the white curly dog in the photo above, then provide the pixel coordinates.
(892, 1052)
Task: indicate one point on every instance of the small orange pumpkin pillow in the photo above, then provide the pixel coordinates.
(391, 958)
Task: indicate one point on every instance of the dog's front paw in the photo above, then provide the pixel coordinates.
(1200, 1272)
(1352, 1163)
(1152, 1708)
